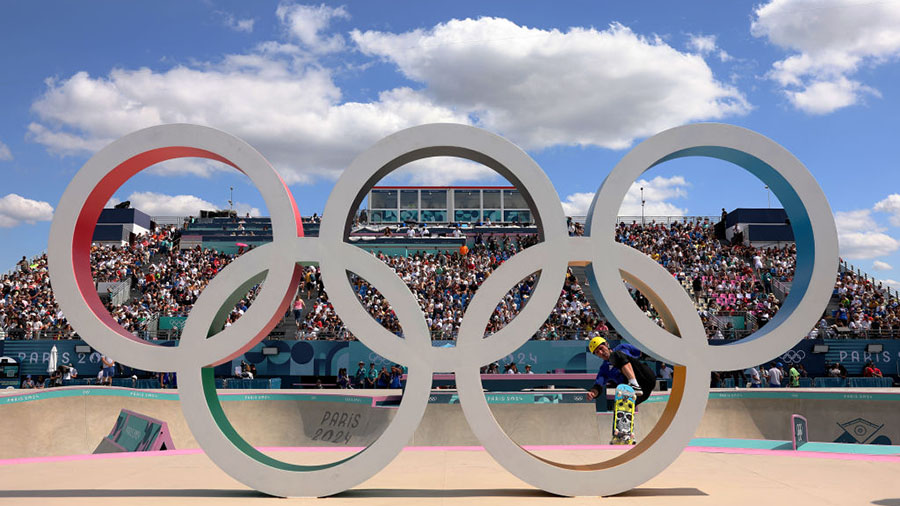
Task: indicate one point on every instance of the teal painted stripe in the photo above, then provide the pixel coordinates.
(165, 396)
(851, 448)
(765, 444)
(82, 392)
(745, 444)
(495, 398)
(792, 394)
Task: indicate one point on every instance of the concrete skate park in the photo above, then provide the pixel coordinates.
(743, 441)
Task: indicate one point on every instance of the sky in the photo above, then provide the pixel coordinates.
(576, 84)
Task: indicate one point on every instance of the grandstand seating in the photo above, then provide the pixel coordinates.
(732, 286)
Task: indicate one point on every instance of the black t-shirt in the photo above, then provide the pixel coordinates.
(642, 373)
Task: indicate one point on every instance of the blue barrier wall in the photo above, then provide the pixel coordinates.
(324, 358)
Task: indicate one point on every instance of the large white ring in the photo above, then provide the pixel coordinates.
(682, 342)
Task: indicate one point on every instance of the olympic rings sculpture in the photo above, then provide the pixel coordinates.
(682, 342)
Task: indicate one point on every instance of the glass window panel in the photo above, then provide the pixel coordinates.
(384, 216)
(492, 214)
(434, 216)
(467, 199)
(466, 215)
(407, 215)
(491, 198)
(383, 199)
(512, 199)
(409, 199)
(517, 216)
(434, 199)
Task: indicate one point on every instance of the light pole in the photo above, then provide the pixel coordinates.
(231, 198)
(642, 206)
(768, 196)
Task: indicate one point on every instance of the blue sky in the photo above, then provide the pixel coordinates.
(576, 84)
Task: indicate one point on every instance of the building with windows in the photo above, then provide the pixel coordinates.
(447, 204)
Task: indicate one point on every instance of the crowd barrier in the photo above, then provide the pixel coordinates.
(248, 384)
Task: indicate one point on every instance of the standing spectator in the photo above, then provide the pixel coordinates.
(833, 370)
(108, 371)
(384, 378)
(871, 371)
(298, 311)
(372, 377)
(665, 372)
(70, 372)
(842, 371)
(359, 379)
(343, 381)
(794, 376)
(396, 373)
(775, 375)
(755, 380)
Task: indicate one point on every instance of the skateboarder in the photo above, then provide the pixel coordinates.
(621, 366)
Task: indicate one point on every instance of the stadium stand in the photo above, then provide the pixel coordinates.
(737, 288)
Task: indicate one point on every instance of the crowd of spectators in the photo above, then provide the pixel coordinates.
(444, 283)
(864, 308)
(28, 309)
(164, 280)
(723, 280)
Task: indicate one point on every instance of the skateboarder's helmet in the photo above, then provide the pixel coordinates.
(596, 341)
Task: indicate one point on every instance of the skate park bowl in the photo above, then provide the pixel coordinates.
(743, 435)
(73, 420)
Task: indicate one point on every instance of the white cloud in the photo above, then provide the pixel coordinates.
(443, 170)
(703, 44)
(860, 237)
(547, 87)
(657, 193)
(878, 265)
(238, 25)
(285, 103)
(831, 41)
(706, 45)
(159, 204)
(306, 22)
(892, 283)
(5, 153)
(15, 209)
(577, 204)
(890, 205)
(293, 116)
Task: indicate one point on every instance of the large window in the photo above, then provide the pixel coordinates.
(467, 199)
(408, 215)
(512, 199)
(434, 216)
(409, 199)
(434, 199)
(383, 199)
(493, 215)
(492, 199)
(467, 215)
(517, 216)
(384, 216)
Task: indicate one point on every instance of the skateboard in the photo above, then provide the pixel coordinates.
(623, 416)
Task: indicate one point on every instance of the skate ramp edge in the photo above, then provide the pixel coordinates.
(70, 421)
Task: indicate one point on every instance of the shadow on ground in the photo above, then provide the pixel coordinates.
(661, 492)
(243, 494)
